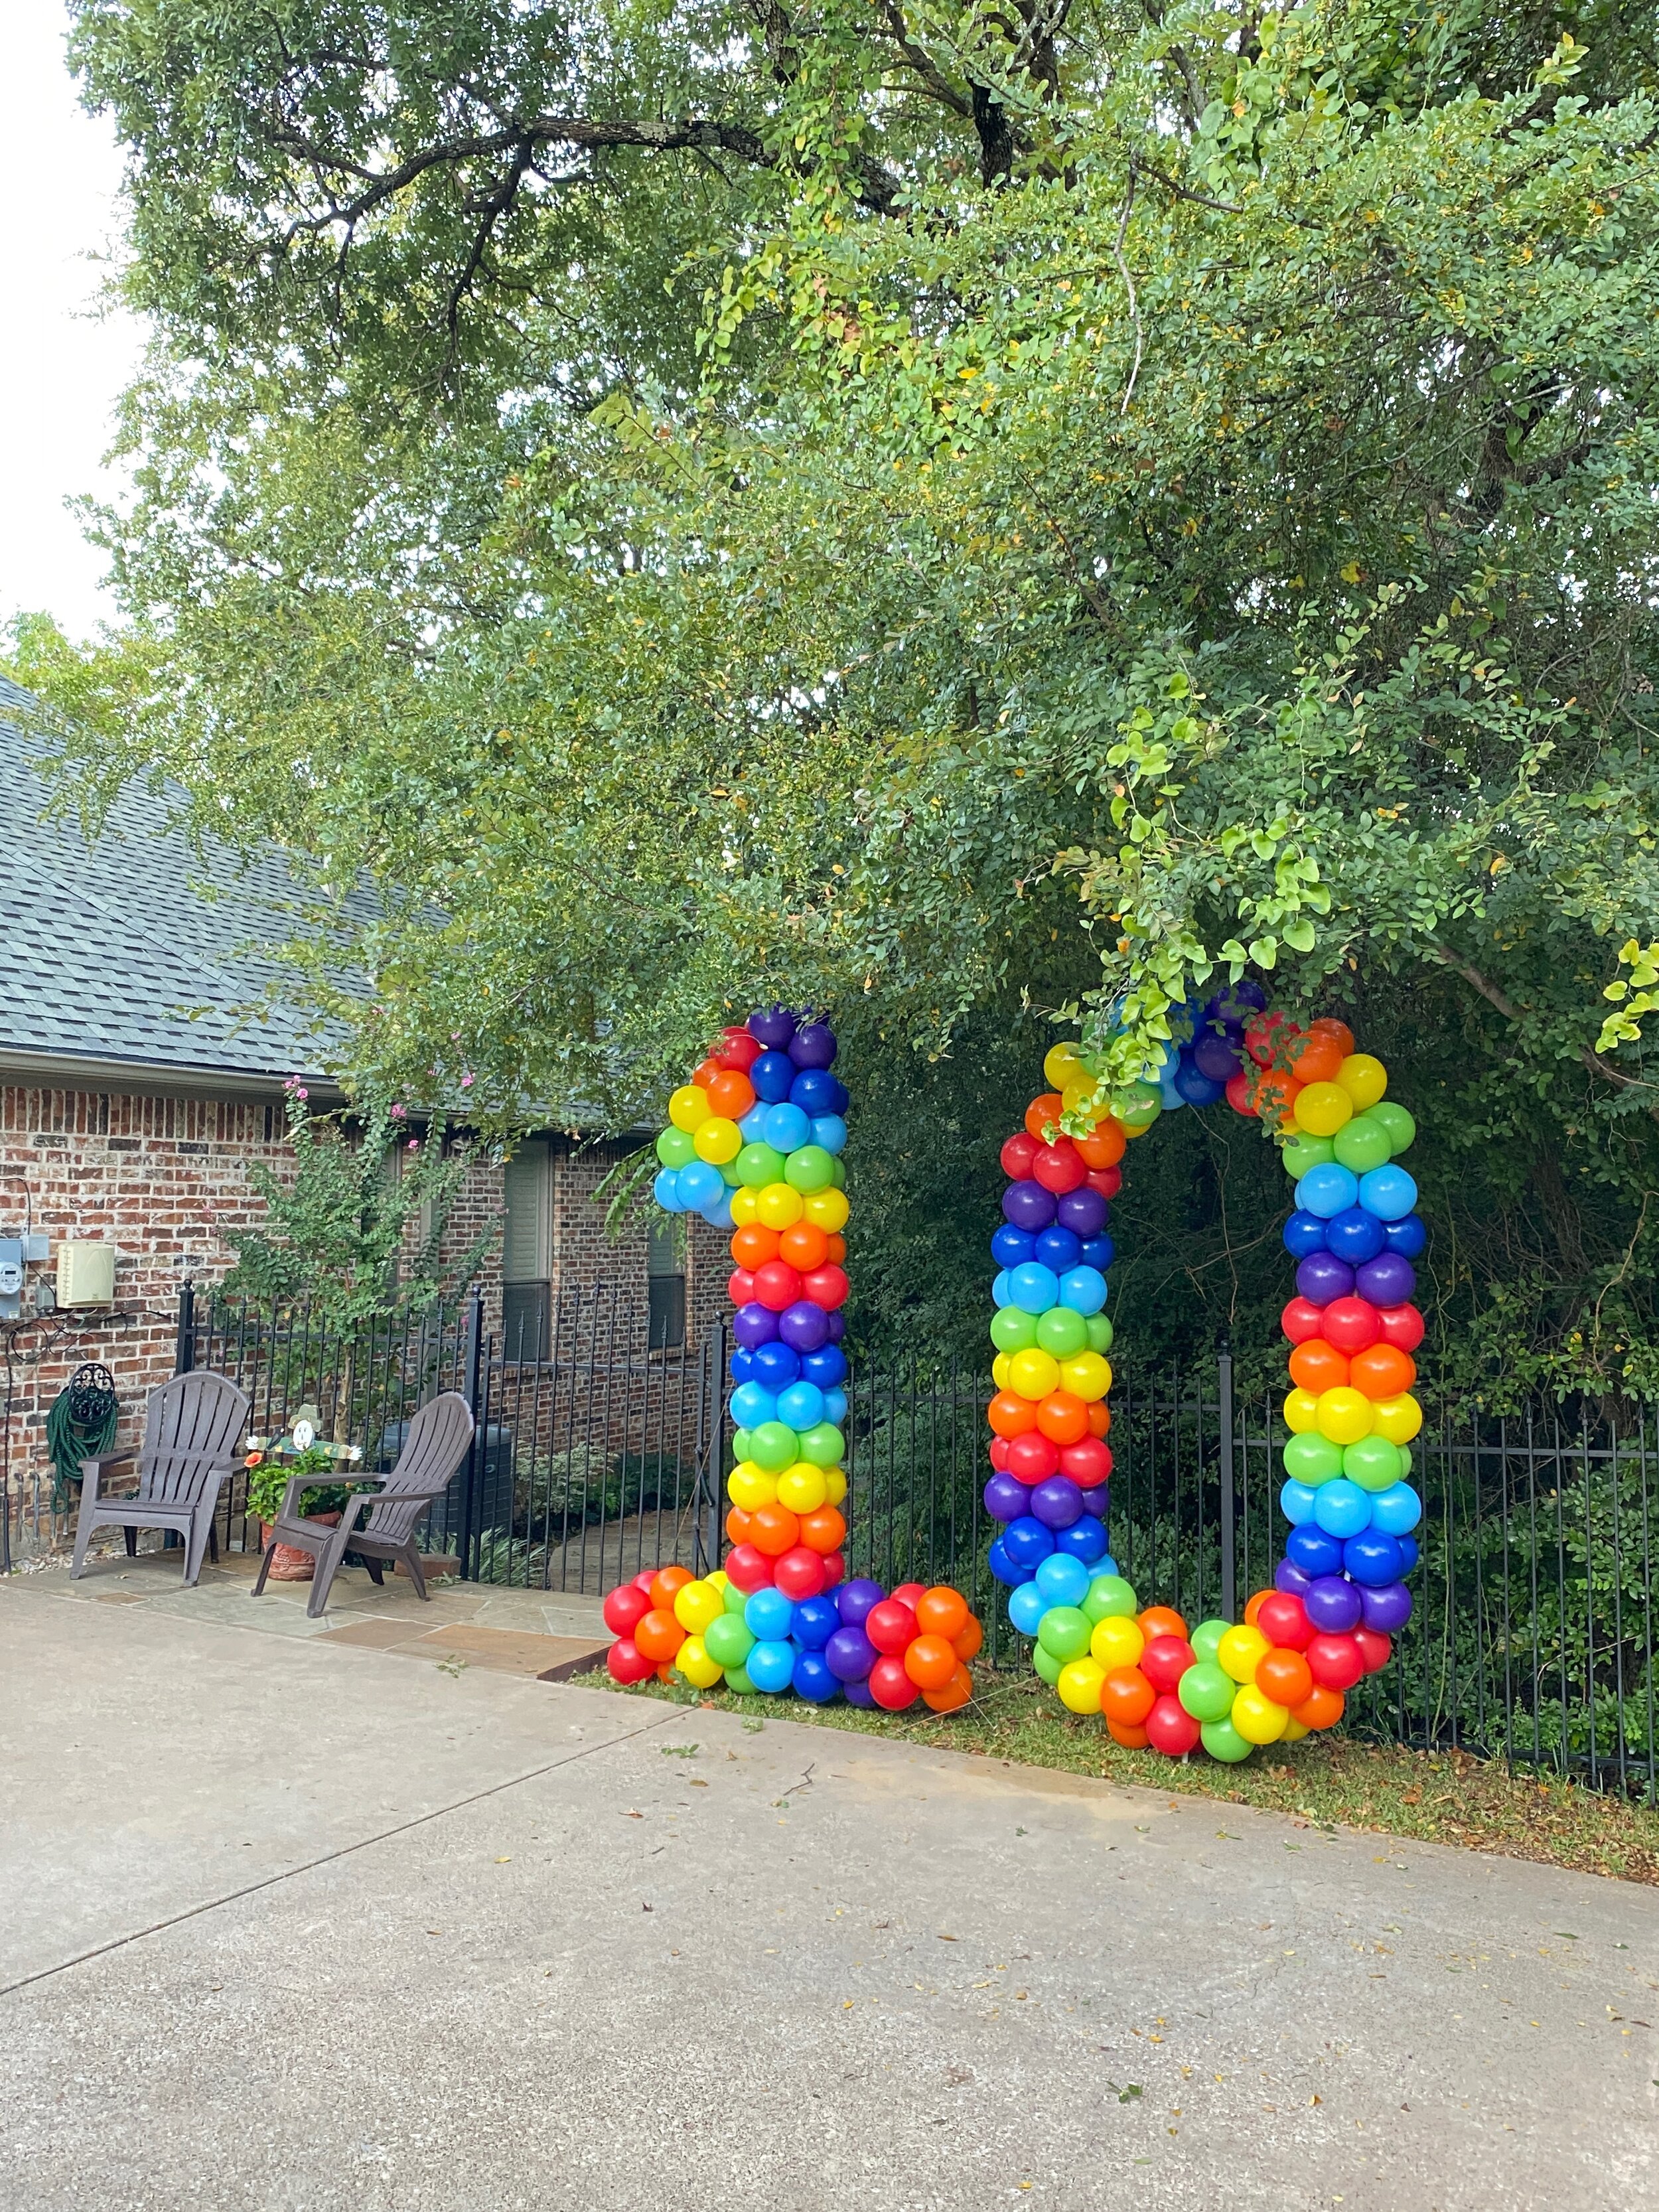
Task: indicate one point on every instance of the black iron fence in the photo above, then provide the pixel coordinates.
(599, 1454)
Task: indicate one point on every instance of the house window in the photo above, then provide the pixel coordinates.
(665, 1274)
(526, 1250)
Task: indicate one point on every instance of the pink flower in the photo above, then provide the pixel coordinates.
(414, 1144)
(399, 1112)
(300, 1091)
(466, 1083)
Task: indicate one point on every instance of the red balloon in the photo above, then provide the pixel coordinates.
(999, 1454)
(777, 1285)
(740, 1286)
(643, 1580)
(1018, 1155)
(1334, 1661)
(1088, 1461)
(737, 1048)
(1107, 1181)
(625, 1663)
(835, 1568)
(799, 1573)
(1172, 1729)
(1375, 1649)
(1402, 1326)
(1058, 1167)
(625, 1607)
(1165, 1660)
(890, 1686)
(1283, 1619)
(1270, 1035)
(1301, 1320)
(890, 1625)
(1239, 1088)
(748, 1568)
(1033, 1458)
(826, 1286)
(908, 1593)
(1352, 1324)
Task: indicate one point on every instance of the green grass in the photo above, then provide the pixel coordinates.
(1325, 1781)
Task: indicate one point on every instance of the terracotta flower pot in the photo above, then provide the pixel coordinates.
(288, 1563)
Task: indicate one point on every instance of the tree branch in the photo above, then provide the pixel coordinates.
(1496, 996)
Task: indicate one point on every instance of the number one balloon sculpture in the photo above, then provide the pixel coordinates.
(1340, 1590)
(753, 1145)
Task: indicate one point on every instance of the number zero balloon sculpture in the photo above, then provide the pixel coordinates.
(1340, 1591)
(753, 1145)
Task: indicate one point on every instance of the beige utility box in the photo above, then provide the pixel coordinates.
(86, 1274)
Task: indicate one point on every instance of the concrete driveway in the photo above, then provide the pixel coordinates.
(291, 1923)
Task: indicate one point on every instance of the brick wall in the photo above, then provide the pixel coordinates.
(584, 1254)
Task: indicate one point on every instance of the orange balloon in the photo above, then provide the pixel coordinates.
(774, 1530)
(1063, 1418)
(754, 1246)
(806, 1245)
(658, 1636)
(1254, 1607)
(667, 1583)
(1322, 1710)
(1010, 1415)
(1043, 1113)
(824, 1529)
(738, 1525)
(1286, 1677)
(968, 1644)
(1383, 1371)
(930, 1661)
(1316, 1057)
(1327, 1025)
(1131, 1739)
(1160, 1621)
(1126, 1696)
(1274, 1093)
(942, 1611)
(1319, 1366)
(1104, 1145)
(730, 1093)
(955, 1694)
(1100, 1417)
(708, 1074)
(836, 1247)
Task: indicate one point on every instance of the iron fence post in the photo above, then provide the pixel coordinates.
(184, 1347)
(1224, 1372)
(473, 1355)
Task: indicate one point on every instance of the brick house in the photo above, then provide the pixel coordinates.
(136, 1092)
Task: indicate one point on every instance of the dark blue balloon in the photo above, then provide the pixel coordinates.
(1085, 1539)
(1373, 1558)
(774, 1367)
(1004, 1568)
(813, 1679)
(1059, 1249)
(1309, 1548)
(1012, 1247)
(812, 1090)
(1098, 1252)
(1303, 1233)
(1409, 1553)
(743, 1366)
(1026, 1542)
(773, 1076)
(816, 1620)
(1408, 1235)
(1193, 1085)
(826, 1366)
(1354, 1236)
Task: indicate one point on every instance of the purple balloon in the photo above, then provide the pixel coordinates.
(1213, 1056)
(772, 1026)
(1322, 1277)
(1058, 1501)
(1387, 1280)
(1333, 1603)
(1084, 1211)
(853, 1600)
(859, 1693)
(836, 1323)
(849, 1654)
(814, 1046)
(1027, 1206)
(1238, 1003)
(1289, 1577)
(1388, 1608)
(804, 1327)
(1005, 1498)
(754, 1324)
(1094, 1501)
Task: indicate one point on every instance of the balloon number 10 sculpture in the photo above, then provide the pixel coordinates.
(753, 1145)
(1339, 1592)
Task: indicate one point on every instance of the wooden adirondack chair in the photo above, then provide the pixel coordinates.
(192, 1427)
(380, 1526)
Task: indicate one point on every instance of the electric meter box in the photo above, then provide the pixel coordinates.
(86, 1274)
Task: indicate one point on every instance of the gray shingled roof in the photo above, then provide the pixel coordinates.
(105, 951)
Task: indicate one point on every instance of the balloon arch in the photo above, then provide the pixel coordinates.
(753, 1145)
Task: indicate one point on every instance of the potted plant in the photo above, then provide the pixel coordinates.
(272, 1462)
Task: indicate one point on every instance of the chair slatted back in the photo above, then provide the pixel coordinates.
(439, 1439)
(191, 1425)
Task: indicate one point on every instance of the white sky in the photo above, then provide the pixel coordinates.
(60, 370)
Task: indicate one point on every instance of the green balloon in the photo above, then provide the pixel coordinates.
(809, 1168)
(729, 1643)
(1206, 1691)
(741, 1440)
(729, 1174)
(738, 1681)
(774, 1445)
(675, 1148)
(735, 1599)
(1206, 1638)
(1405, 1452)
(1013, 1330)
(1100, 1333)
(837, 1175)
(1313, 1459)
(1373, 1463)
(1223, 1741)
(824, 1445)
(758, 1165)
(1111, 1598)
(1065, 1630)
(1362, 1144)
(1397, 1120)
(1062, 1332)
(1046, 1664)
(1303, 1153)
(1139, 1106)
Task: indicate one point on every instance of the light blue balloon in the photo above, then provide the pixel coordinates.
(769, 1615)
(1396, 1511)
(701, 1185)
(835, 1408)
(1342, 1508)
(1002, 1291)
(719, 1216)
(1062, 1579)
(752, 1128)
(666, 1191)
(1330, 1189)
(1083, 1289)
(1390, 1193)
(1033, 1287)
(830, 1130)
(771, 1667)
(787, 1128)
(1026, 1606)
(1299, 1503)
(752, 1404)
(801, 1405)
(1165, 1080)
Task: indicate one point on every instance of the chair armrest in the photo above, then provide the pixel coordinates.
(363, 1497)
(106, 1460)
(93, 1470)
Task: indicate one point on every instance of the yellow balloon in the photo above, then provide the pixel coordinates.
(802, 1487)
(1080, 1686)
(719, 1579)
(1345, 1415)
(1061, 1063)
(1294, 1729)
(688, 1107)
(835, 1486)
(1256, 1717)
(1033, 1373)
(1365, 1079)
(695, 1604)
(1398, 1419)
(826, 1209)
(717, 1141)
(1088, 1375)
(1117, 1641)
(1300, 1411)
(749, 1486)
(1321, 1108)
(1000, 1371)
(1241, 1651)
(779, 1205)
(1080, 1092)
(744, 1208)
(692, 1659)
